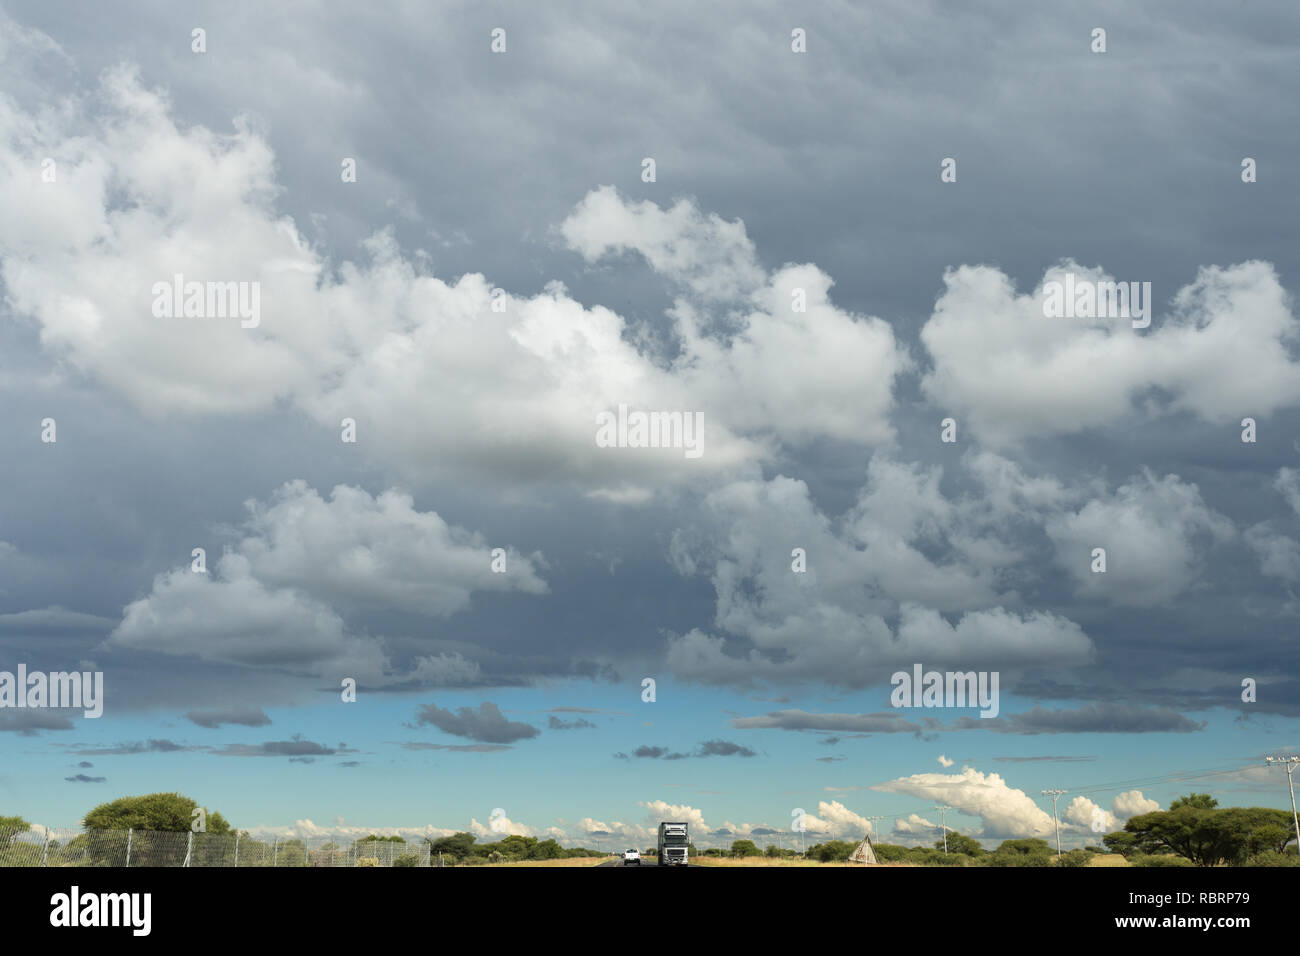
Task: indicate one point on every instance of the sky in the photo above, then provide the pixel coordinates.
(361, 556)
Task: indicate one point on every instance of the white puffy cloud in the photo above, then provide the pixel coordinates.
(1014, 374)
(375, 550)
(1278, 554)
(914, 825)
(902, 550)
(944, 761)
(271, 600)
(433, 375)
(229, 616)
(498, 827)
(1083, 813)
(714, 258)
(1131, 803)
(1151, 529)
(660, 810)
(1003, 810)
(833, 819)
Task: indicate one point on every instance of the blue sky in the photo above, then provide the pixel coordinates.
(502, 270)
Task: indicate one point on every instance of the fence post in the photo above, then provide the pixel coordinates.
(46, 848)
(189, 848)
(129, 832)
(275, 853)
(236, 848)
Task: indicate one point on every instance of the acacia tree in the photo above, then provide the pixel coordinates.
(149, 814)
(1196, 829)
(960, 843)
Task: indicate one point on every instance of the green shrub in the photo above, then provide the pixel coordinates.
(407, 859)
(1158, 859)
(368, 861)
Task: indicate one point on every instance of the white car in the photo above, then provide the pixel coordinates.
(631, 856)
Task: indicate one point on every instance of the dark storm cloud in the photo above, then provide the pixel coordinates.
(1012, 90)
(487, 723)
(1093, 719)
(245, 717)
(28, 722)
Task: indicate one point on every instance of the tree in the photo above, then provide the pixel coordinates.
(10, 827)
(154, 811)
(1027, 852)
(1128, 844)
(960, 843)
(1197, 801)
(547, 850)
(744, 848)
(1207, 836)
(457, 846)
(832, 851)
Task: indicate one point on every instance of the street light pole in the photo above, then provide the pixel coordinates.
(1054, 794)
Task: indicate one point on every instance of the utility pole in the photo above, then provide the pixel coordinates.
(1289, 763)
(1055, 794)
(943, 825)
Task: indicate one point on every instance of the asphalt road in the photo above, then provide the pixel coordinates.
(644, 863)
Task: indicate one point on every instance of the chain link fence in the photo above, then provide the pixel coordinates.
(158, 848)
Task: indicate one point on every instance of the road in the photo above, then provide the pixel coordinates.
(644, 862)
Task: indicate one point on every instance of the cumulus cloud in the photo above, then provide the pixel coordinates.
(1013, 374)
(1131, 803)
(1003, 811)
(1085, 814)
(833, 820)
(143, 199)
(915, 825)
(659, 810)
(1150, 529)
(944, 761)
(499, 826)
(272, 599)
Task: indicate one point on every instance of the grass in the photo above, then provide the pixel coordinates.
(568, 861)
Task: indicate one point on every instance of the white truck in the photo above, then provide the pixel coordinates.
(673, 844)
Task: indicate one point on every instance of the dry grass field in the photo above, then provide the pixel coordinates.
(571, 861)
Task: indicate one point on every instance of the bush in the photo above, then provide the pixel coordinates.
(1158, 859)
(407, 859)
(368, 861)
(1273, 858)
(1076, 858)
